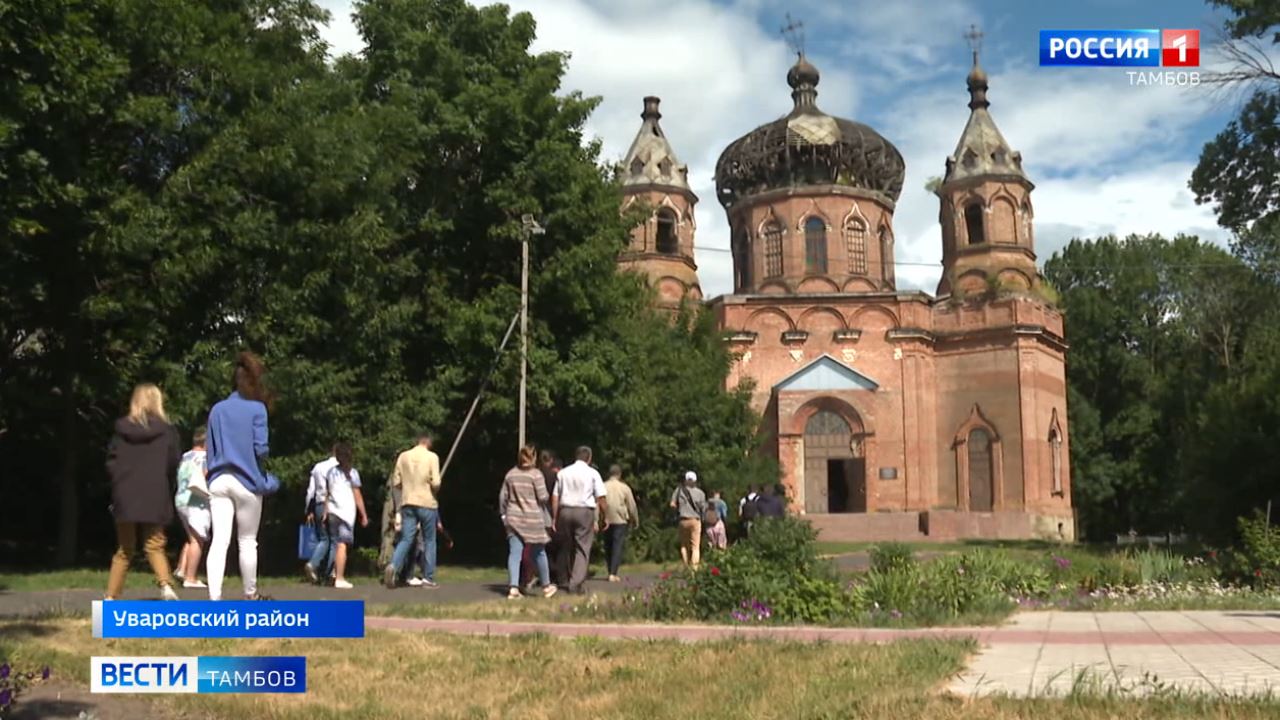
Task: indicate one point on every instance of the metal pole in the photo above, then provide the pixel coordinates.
(476, 402)
(524, 328)
(528, 226)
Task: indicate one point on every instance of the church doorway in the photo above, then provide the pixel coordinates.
(835, 475)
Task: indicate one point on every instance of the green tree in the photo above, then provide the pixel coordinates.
(1239, 170)
(1147, 337)
(355, 222)
(105, 101)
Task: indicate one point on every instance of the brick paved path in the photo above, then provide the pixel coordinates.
(1050, 653)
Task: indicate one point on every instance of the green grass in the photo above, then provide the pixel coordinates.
(140, 577)
(413, 675)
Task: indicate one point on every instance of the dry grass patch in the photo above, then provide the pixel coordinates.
(417, 675)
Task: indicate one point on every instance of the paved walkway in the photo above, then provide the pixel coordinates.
(27, 603)
(1140, 653)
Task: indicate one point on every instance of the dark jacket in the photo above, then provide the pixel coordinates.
(143, 465)
(771, 506)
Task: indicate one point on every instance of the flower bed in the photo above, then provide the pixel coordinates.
(777, 577)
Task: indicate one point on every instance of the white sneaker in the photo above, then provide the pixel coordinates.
(179, 574)
(167, 593)
(549, 590)
(514, 594)
(415, 582)
(342, 585)
(193, 584)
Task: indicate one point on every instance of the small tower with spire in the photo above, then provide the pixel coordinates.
(985, 204)
(662, 246)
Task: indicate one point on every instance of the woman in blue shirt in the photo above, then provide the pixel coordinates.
(237, 442)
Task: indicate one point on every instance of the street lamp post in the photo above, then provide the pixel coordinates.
(528, 226)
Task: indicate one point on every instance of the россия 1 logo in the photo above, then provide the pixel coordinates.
(1126, 48)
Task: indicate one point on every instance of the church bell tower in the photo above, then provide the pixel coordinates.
(661, 247)
(985, 210)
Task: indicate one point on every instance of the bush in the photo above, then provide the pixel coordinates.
(1258, 560)
(945, 588)
(775, 574)
(1010, 576)
(890, 556)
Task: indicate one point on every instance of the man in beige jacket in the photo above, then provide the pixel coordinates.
(620, 516)
(417, 478)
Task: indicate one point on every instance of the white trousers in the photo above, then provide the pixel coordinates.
(231, 503)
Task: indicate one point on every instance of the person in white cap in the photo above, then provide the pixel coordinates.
(690, 503)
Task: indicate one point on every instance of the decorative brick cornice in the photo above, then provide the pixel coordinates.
(846, 336)
(634, 256)
(794, 337)
(744, 337)
(905, 334)
(1038, 332)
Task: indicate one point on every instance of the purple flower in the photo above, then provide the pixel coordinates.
(1061, 562)
(895, 614)
(4, 671)
(44, 675)
(6, 697)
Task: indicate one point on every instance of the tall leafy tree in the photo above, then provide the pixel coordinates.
(1145, 344)
(356, 222)
(1239, 170)
(105, 101)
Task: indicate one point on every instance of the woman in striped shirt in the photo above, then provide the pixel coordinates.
(523, 504)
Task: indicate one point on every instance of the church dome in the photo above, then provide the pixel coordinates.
(808, 147)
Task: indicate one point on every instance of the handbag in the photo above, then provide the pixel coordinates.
(306, 541)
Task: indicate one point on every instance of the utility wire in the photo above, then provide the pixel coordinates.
(1175, 266)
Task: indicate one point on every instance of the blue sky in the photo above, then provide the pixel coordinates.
(1107, 157)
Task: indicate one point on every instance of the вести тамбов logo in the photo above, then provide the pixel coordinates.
(1178, 50)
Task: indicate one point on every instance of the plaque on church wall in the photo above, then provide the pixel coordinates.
(888, 473)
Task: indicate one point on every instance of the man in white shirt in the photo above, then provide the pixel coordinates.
(318, 566)
(578, 495)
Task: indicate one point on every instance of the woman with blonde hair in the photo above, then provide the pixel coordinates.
(143, 464)
(523, 504)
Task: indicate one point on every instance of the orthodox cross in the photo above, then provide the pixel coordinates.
(974, 36)
(793, 32)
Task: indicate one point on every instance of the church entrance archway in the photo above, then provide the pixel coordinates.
(835, 474)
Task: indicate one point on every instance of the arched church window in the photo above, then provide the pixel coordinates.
(855, 240)
(973, 223)
(825, 422)
(772, 250)
(981, 470)
(1026, 222)
(637, 167)
(667, 241)
(886, 256)
(815, 245)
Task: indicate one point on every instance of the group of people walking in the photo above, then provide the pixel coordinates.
(220, 485)
(551, 513)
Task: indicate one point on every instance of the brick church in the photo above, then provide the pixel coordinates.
(893, 414)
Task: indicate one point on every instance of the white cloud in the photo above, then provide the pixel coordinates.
(341, 33)
(1106, 157)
